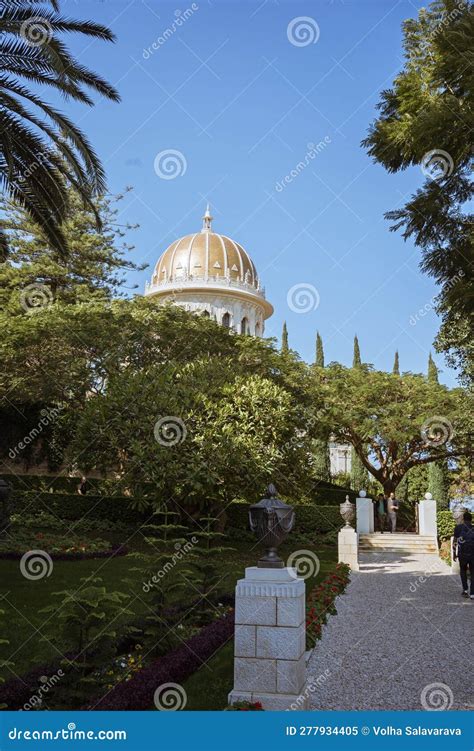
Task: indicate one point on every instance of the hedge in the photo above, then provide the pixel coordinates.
(72, 507)
(323, 493)
(309, 519)
(58, 483)
(446, 524)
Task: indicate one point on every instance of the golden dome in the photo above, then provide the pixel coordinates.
(205, 255)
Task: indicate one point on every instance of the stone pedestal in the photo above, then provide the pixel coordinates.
(427, 524)
(270, 635)
(365, 516)
(347, 544)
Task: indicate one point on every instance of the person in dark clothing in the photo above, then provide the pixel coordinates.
(381, 511)
(83, 486)
(463, 550)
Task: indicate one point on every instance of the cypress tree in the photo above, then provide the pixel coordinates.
(321, 459)
(356, 361)
(319, 351)
(396, 364)
(284, 338)
(438, 482)
(432, 370)
(359, 474)
(438, 472)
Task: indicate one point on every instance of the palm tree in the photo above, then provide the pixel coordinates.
(41, 150)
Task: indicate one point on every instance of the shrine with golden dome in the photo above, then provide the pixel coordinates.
(212, 275)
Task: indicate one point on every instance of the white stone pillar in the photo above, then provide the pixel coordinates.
(347, 545)
(427, 523)
(365, 515)
(270, 639)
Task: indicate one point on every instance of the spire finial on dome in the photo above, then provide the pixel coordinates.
(207, 220)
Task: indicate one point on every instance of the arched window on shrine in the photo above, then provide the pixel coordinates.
(244, 326)
(226, 320)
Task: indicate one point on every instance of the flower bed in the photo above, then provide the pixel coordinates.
(138, 692)
(321, 602)
(245, 706)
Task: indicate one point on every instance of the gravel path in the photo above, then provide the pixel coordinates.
(402, 626)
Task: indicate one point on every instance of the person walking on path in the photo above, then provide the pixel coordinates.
(463, 544)
(382, 511)
(392, 506)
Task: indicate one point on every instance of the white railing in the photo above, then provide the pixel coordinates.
(179, 283)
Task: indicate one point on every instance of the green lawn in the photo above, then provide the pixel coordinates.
(24, 625)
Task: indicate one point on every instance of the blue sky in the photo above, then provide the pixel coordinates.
(241, 103)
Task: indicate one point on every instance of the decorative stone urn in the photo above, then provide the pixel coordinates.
(347, 512)
(271, 520)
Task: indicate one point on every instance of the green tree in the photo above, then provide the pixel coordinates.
(42, 150)
(35, 272)
(396, 364)
(201, 433)
(394, 422)
(88, 623)
(426, 119)
(356, 360)
(319, 351)
(359, 474)
(284, 338)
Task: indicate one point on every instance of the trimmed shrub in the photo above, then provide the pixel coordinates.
(43, 483)
(117, 509)
(446, 524)
(309, 519)
(317, 519)
(72, 507)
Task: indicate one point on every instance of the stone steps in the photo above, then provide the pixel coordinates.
(397, 543)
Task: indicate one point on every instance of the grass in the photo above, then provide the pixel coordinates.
(24, 626)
